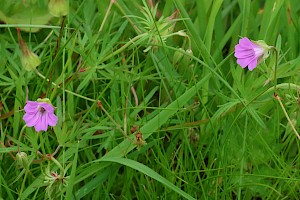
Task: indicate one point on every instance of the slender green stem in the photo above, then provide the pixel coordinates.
(59, 36)
(23, 183)
(106, 15)
(56, 150)
(275, 70)
(19, 140)
(243, 159)
(287, 116)
(285, 86)
(127, 17)
(57, 164)
(111, 119)
(68, 91)
(278, 98)
(124, 47)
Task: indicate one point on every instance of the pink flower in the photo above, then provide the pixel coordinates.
(250, 53)
(39, 114)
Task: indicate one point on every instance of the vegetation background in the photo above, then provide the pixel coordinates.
(150, 100)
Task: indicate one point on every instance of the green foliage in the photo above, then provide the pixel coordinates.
(150, 101)
(29, 15)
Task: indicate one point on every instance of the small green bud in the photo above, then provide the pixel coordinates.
(180, 57)
(177, 56)
(186, 58)
(22, 160)
(182, 33)
(58, 8)
(30, 61)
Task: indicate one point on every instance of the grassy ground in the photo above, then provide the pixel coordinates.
(151, 103)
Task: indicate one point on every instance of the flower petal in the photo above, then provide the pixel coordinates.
(31, 107)
(31, 119)
(244, 54)
(52, 119)
(47, 107)
(42, 124)
(250, 53)
(259, 51)
(245, 42)
(243, 62)
(39, 115)
(252, 64)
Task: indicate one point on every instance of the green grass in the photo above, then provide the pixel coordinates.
(210, 129)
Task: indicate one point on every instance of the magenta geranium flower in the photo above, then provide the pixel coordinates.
(251, 53)
(39, 114)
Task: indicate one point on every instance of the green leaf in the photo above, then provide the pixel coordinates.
(29, 15)
(147, 171)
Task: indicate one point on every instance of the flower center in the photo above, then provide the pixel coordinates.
(42, 110)
(258, 51)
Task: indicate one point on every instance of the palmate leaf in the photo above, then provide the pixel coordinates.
(30, 15)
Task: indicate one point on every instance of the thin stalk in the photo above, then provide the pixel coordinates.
(278, 98)
(243, 159)
(106, 15)
(19, 140)
(111, 119)
(275, 70)
(68, 91)
(124, 47)
(59, 36)
(287, 116)
(23, 183)
(57, 164)
(56, 150)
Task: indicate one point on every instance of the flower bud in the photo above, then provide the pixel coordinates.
(139, 140)
(29, 59)
(58, 8)
(177, 56)
(186, 58)
(182, 33)
(22, 160)
(182, 58)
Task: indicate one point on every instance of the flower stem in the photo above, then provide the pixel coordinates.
(23, 183)
(56, 150)
(275, 70)
(59, 36)
(121, 49)
(287, 116)
(106, 15)
(19, 140)
(57, 164)
(111, 119)
(68, 91)
(278, 98)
